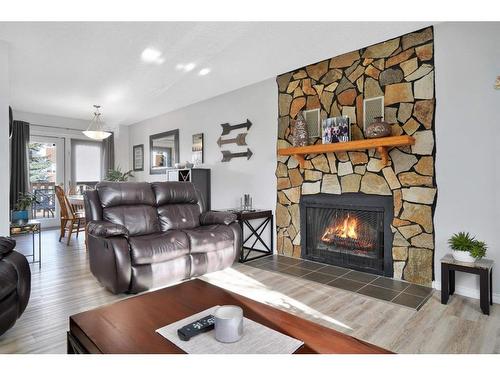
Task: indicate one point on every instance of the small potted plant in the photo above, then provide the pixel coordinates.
(465, 248)
(25, 200)
(118, 175)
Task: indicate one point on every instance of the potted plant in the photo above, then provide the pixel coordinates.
(118, 175)
(465, 248)
(24, 201)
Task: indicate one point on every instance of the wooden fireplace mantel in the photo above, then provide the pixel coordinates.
(380, 144)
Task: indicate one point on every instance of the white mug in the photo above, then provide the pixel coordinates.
(228, 323)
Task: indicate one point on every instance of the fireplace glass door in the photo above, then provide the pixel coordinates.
(345, 236)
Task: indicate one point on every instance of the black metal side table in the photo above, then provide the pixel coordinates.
(254, 241)
(481, 267)
(33, 227)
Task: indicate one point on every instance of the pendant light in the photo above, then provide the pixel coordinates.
(95, 129)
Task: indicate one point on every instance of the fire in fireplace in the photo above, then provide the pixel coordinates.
(350, 230)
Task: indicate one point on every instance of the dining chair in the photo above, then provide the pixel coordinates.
(71, 220)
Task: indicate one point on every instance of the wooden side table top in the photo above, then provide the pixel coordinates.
(26, 224)
(31, 226)
(248, 215)
(482, 263)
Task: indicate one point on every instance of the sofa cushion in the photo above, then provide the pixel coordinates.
(8, 280)
(179, 216)
(112, 194)
(138, 219)
(174, 192)
(210, 238)
(158, 247)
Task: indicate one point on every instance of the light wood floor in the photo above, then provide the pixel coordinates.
(64, 286)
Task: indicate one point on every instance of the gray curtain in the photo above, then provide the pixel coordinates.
(108, 155)
(19, 172)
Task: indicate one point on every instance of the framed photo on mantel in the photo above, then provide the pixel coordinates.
(138, 155)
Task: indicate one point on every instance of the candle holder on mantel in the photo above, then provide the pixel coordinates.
(246, 202)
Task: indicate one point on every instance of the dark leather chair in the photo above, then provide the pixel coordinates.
(146, 235)
(15, 284)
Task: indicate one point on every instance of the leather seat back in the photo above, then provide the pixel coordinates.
(177, 205)
(131, 204)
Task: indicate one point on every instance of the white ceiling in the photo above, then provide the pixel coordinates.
(63, 68)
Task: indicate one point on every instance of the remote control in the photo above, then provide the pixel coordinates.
(203, 325)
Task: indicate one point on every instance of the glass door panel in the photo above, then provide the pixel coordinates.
(46, 169)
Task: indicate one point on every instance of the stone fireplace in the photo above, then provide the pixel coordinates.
(351, 230)
(401, 70)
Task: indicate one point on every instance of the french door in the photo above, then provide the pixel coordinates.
(46, 170)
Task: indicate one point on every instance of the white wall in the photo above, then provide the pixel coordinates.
(467, 57)
(4, 138)
(231, 180)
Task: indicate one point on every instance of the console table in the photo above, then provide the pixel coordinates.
(255, 235)
(33, 227)
(481, 267)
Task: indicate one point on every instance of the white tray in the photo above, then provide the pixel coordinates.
(257, 339)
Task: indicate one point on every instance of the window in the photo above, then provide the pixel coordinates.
(86, 161)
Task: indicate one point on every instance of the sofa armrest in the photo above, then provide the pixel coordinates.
(106, 229)
(7, 244)
(216, 217)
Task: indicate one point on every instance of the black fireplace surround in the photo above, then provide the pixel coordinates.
(350, 230)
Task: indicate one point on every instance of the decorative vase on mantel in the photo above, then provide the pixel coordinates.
(300, 134)
(378, 129)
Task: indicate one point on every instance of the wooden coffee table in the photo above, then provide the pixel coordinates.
(129, 326)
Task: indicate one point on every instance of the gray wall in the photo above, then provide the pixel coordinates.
(230, 180)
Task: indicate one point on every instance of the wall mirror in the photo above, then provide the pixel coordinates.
(164, 151)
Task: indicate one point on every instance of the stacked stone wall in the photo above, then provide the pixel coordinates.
(401, 70)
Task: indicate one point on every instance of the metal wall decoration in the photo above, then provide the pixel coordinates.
(239, 140)
(228, 155)
(226, 128)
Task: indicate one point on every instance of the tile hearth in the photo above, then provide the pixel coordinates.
(383, 288)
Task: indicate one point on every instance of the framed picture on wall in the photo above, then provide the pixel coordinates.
(312, 118)
(197, 149)
(138, 155)
(372, 108)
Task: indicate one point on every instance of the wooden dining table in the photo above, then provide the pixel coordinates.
(76, 201)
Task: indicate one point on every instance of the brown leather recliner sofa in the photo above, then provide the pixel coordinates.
(15, 284)
(144, 235)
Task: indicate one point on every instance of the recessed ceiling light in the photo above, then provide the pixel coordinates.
(189, 67)
(179, 67)
(204, 71)
(151, 55)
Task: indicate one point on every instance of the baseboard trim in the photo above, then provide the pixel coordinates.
(466, 292)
